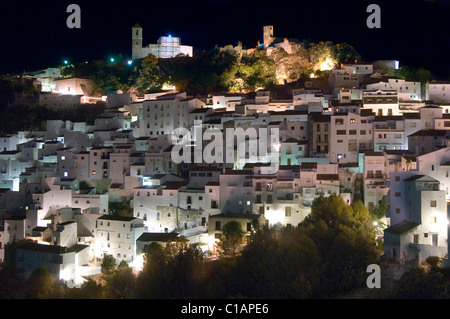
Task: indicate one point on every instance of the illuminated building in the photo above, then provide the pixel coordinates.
(166, 47)
(62, 263)
(407, 90)
(116, 236)
(438, 91)
(418, 214)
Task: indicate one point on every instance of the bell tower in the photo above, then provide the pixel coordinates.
(268, 35)
(136, 37)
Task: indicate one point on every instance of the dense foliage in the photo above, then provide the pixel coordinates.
(228, 69)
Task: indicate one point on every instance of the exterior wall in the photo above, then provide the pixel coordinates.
(60, 262)
(163, 116)
(56, 101)
(407, 90)
(321, 136)
(117, 238)
(435, 165)
(221, 101)
(146, 202)
(438, 92)
(390, 135)
(73, 86)
(87, 201)
(234, 194)
(342, 79)
(419, 201)
(349, 135)
(8, 143)
(99, 163)
(65, 234)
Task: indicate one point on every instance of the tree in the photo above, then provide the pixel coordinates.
(151, 281)
(379, 210)
(89, 290)
(108, 264)
(418, 284)
(345, 53)
(149, 75)
(184, 269)
(231, 240)
(169, 270)
(41, 285)
(416, 74)
(122, 208)
(434, 262)
(345, 238)
(12, 284)
(278, 263)
(257, 70)
(120, 282)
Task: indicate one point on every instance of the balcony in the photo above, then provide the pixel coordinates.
(285, 198)
(375, 176)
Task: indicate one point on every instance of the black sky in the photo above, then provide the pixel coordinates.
(34, 35)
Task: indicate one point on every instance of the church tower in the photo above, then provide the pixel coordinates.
(136, 37)
(268, 35)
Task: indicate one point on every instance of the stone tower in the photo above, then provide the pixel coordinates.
(268, 35)
(136, 37)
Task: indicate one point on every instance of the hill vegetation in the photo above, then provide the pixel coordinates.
(228, 69)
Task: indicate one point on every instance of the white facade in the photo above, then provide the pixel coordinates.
(389, 133)
(222, 101)
(166, 113)
(349, 134)
(116, 236)
(438, 92)
(418, 214)
(381, 102)
(407, 90)
(374, 178)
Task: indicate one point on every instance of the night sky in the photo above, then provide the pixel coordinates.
(34, 34)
